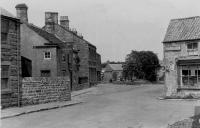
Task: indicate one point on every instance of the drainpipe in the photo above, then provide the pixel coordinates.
(18, 52)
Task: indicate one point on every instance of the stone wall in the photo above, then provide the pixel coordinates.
(39, 90)
(172, 51)
(39, 63)
(10, 61)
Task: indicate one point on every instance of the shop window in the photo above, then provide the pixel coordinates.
(47, 55)
(45, 73)
(191, 77)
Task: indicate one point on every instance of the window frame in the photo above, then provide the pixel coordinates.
(193, 50)
(193, 73)
(5, 77)
(47, 57)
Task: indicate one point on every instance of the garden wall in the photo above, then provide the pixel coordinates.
(39, 90)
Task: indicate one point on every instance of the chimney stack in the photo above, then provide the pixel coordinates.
(64, 21)
(22, 12)
(51, 19)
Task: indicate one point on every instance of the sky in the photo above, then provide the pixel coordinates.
(115, 27)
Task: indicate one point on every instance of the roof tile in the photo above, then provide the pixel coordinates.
(183, 29)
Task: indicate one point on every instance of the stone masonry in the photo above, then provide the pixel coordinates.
(38, 90)
(181, 57)
(10, 60)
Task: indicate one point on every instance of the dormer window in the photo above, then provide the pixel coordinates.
(192, 48)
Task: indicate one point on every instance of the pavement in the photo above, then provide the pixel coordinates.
(17, 111)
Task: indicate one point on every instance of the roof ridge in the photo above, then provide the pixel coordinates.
(192, 17)
(76, 35)
(40, 30)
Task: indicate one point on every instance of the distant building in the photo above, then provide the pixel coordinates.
(182, 56)
(112, 72)
(87, 73)
(10, 59)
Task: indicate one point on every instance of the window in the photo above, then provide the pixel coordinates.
(4, 30)
(4, 37)
(191, 77)
(4, 76)
(4, 71)
(45, 73)
(63, 57)
(192, 48)
(47, 55)
(82, 80)
(4, 83)
(4, 26)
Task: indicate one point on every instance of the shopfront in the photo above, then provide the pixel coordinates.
(189, 73)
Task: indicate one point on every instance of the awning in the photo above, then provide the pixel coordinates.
(188, 61)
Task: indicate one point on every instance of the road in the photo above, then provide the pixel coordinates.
(111, 106)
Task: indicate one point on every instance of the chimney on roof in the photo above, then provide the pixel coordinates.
(64, 21)
(22, 12)
(51, 19)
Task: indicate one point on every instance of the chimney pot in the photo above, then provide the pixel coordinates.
(51, 17)
(64, 21)
(22, 12)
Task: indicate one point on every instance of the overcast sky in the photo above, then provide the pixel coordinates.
(115, 26)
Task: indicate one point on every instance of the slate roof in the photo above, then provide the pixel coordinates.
(114, 67)
(183, 29)
(4, 12)
(87, 42)
(48, 36)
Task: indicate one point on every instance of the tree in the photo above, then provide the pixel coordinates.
(142, 65)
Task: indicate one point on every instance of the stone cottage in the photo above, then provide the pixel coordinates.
(43, 54)
(112, 72)
(182, 57)
(10, 59)
(87, 74)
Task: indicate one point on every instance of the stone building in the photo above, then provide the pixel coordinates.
(43, 54)
(87, 74)
(10, 59)
(112, 72)
(182, 56)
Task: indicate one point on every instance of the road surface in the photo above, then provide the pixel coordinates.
(111, 106)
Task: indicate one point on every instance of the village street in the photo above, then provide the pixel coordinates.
(111, 106)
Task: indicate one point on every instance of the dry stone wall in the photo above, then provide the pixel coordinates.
(39, 90)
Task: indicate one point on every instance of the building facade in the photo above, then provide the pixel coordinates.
(10, 59)
(182, 57)
(112, 72)
(87, 73)
(43, 54)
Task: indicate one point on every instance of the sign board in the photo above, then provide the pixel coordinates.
(173, 48)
